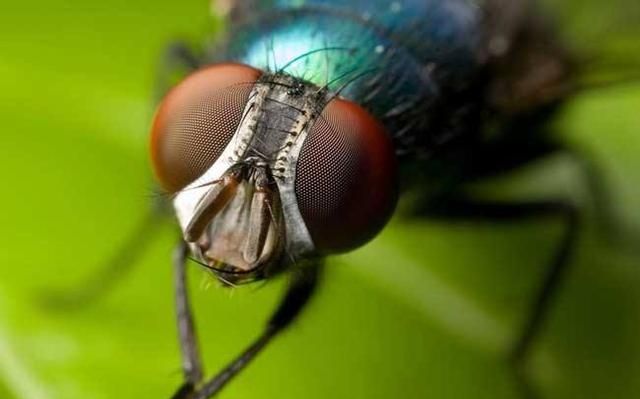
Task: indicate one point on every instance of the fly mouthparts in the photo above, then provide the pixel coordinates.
(210, 205)
(238, 222)
(260, 223)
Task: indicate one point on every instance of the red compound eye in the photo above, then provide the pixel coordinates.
(196, 121)
(345, 178)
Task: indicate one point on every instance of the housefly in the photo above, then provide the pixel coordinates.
(292, 135)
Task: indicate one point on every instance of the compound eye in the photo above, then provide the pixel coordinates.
(345, 178)
(196, 120)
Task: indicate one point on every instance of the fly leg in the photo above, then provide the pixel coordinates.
(614, 231)
(514, 152)
(527, 139)
(191, 363)
(177, 61)
(116, 267)
(462, 207)
(297, 296)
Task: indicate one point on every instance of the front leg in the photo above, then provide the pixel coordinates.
(297, 296)
(302, 286)
(104, 279)
(457, 207)
(191, 363)
(177, 61)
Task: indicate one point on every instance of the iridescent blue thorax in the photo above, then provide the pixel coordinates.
(395, 58)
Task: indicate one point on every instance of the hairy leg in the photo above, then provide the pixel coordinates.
(191, 363)
(467, 208)
(177, 61)
(297, 296)
(106, 277)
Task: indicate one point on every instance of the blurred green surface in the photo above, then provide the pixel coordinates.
(427, 310)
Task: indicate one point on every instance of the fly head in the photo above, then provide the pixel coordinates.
(266, 169)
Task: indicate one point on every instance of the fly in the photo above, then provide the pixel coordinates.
(294, 134)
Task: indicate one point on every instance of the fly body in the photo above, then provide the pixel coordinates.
(329, 95)
(294, 133)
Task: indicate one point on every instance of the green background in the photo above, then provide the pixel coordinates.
(427, 310)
